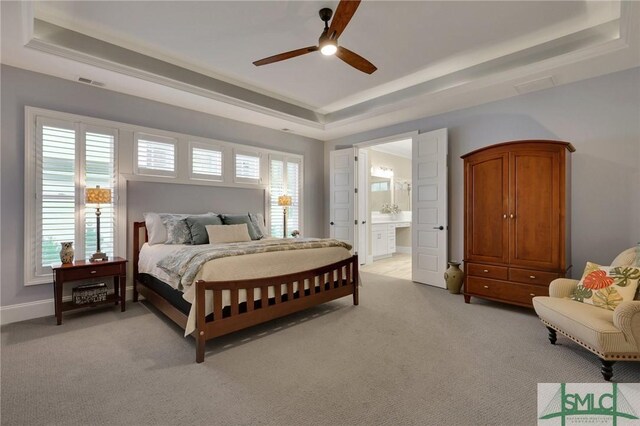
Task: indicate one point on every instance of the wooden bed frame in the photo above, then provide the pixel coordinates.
(340, 279)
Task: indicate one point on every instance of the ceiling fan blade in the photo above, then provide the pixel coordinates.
(355, 60)
(285, 55)
(344, 13)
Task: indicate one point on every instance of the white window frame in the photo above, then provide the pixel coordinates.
(209, 147)
(258, 154)
(156, 138)
(34, 272)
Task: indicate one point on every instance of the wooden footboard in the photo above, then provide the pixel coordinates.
(292, 293)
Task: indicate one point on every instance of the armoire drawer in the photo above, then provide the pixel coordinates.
(487, 271)
(532, 277)
(518, 293)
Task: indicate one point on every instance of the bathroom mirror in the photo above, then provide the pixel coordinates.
(380, 192)
(402, 194)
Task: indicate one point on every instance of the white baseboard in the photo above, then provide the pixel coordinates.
(403, 249)
(38, 309)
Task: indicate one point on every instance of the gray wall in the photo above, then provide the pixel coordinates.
(22, 88)
(600, 116)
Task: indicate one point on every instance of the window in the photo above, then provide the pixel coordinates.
(156, 155)
(206, 162)
(69, 156)
(247, 167)
(284, 179)
(380, 186)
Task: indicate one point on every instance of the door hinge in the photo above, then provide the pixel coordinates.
(356, 158)
(356, 189)
(355, 222)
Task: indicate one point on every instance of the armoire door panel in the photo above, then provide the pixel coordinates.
(533, 208)
(487, 203)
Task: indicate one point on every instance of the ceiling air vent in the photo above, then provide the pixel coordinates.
(89, 81)
(532, 86)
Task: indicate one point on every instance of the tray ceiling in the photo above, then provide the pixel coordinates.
(420, 48)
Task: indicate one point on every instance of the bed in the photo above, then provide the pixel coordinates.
(219, 300)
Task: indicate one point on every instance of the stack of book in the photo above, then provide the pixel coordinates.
(89, 293)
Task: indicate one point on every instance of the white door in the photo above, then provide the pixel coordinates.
(429, 236)
(363, 202)
(342, 195)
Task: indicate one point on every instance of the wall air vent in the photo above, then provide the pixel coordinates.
(91, 82)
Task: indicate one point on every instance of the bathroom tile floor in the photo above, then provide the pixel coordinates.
(396, 266)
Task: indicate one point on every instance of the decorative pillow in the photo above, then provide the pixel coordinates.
(197, 230)
(219, 234)
(257, 220)
(229, 219)
(606, 286)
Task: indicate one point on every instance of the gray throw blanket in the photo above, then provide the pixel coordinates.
(183, 265)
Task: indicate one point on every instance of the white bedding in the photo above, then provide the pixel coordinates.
(248, 266)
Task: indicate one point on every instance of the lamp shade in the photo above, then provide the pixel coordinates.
(98, 195)
(284, 200)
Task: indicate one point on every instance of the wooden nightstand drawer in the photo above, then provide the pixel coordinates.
(532, 277)
(93, 271)
(488, 271)
(520, 294)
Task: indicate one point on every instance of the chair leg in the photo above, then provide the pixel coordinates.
(607, 369)
(552, 335)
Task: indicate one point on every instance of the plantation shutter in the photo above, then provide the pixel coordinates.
(206, 163)
(293, 189)
(100, 169)
(276, 189)
(55, 190)
(156, 155)
(284, 179)
(247, 167)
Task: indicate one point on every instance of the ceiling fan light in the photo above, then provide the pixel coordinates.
(328, 49)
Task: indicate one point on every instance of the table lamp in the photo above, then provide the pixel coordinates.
(98, 196)
(284, 201)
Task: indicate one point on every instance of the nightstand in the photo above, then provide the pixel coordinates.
(81, 270)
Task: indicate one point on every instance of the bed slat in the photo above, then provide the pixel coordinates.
(277, 291)
(250, 299)
(217, 304)
(235, 305)
(290, 290)
(264, 296)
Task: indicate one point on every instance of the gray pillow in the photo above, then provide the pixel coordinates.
(197, 227)
(177, 231)
(237, 219)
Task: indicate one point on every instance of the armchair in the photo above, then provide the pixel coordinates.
(611, 335)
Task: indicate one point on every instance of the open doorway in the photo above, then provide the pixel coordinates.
(385, 174)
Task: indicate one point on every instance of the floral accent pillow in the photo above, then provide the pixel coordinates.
(606, 287)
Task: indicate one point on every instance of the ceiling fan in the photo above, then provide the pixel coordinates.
(328, 42)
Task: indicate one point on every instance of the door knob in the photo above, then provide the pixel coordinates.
(331, 223)
(364, 221)
(512, 216)
(439, 227)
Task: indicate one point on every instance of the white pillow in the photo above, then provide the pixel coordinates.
(219, 234)
(155, 228)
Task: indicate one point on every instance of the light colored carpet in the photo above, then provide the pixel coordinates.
(409, 354)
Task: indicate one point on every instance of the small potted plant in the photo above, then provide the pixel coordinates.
(295, 233)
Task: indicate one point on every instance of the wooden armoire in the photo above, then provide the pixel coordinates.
(516, 219)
